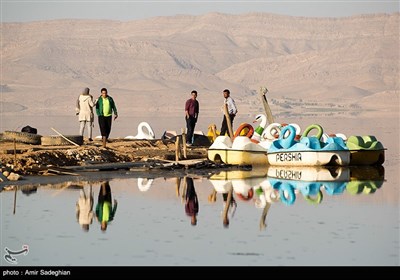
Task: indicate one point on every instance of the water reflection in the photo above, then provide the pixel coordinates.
(240, 209)
(313, 182)
(229, 207)
(105, 209)
(84, 208)
(144, 184)
(191, 201)
(284, 184)
(260, 187)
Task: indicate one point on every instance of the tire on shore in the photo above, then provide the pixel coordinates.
(22, 137)
(55, 140)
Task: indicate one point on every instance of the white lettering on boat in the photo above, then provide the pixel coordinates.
(288, 174)
(288, 157)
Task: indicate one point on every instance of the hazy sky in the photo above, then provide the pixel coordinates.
(31, 10)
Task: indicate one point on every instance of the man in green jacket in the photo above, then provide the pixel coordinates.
(105, 106)
(105, 211)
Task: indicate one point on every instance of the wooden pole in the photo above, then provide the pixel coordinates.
(263, 225)
(183, 199)
(72, 142)
(15, 200)
(184, 142)
(178, 185)
(263, 92)
(228, 121)
(212, 197)
(227, 205)
(60, 190)
(177, 148)
(15, 153)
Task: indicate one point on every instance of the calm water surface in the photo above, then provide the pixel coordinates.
(348, 222)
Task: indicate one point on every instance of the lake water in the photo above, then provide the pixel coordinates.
(353, 221)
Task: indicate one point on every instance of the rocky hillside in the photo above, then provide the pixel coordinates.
(152, 64)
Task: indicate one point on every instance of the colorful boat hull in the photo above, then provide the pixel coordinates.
(367, 157)
(238, 157)
(309, 158)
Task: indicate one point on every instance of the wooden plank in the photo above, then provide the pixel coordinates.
(191, 161)
(184, 143)
(70, 141)
(109, 166)
(61, 172)
(263, 91)
(186, 161)
(177, 148)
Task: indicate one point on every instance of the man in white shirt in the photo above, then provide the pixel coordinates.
(232, 111)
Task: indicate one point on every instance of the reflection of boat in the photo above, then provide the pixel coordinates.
(365, 179)
(310, 173)
(254, 172)
(311, 181)
(284, 183)
(241, 181)
(242, 151)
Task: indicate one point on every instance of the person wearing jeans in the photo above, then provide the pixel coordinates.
(105, 107)
(191, 116)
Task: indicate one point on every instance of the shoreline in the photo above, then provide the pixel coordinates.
(34, 160)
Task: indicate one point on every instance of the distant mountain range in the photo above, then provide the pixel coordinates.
(153, 64)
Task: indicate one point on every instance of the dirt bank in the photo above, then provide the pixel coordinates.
(26, 159)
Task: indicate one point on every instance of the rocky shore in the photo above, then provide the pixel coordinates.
(27, 159)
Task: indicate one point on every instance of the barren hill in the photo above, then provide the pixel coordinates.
(152, 64)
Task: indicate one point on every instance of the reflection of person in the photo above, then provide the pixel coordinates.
(191, 202)
(191, 115)
(229, 203)
(105, 211)
(105, 106)
(84, 209)
(84, 109)
(232, 111)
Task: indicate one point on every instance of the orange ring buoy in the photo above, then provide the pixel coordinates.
(249, 195)
(243, 126)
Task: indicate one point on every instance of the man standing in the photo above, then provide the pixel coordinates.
(191, 115)
(232, 111)
(84, 109)
(105, 106)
